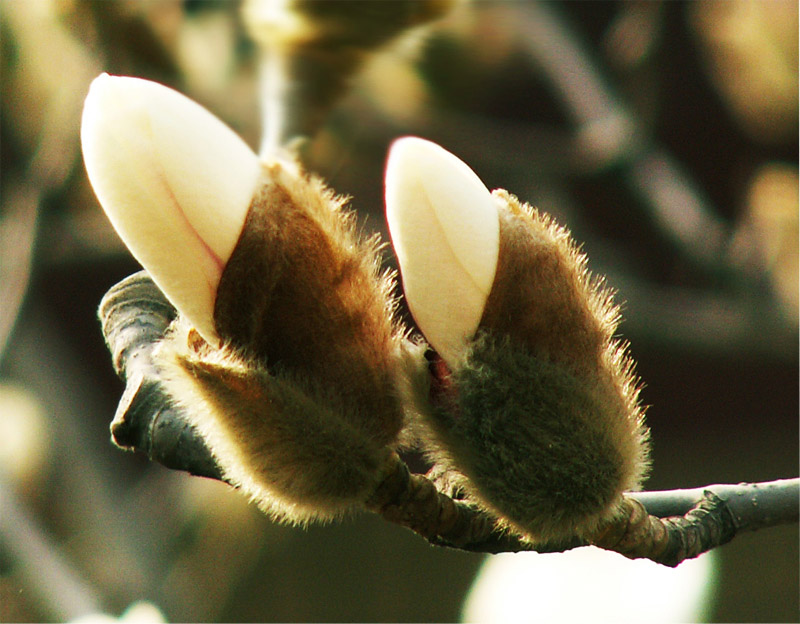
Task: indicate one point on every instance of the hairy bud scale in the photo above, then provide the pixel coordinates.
(299, 404)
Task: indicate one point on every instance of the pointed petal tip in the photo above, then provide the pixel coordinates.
(412, 147)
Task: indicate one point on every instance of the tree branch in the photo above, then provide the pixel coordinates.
(304, 71)
(667, 527)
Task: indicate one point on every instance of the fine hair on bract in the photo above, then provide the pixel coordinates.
(299, 404)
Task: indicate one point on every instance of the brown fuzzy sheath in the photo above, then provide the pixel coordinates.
(543, 296)
(545, 299)
(301, 294)
(299, 403)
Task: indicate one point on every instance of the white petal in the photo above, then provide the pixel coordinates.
(612, 588)
(175, 182)
(445, 232)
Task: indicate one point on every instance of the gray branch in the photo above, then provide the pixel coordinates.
(135, 315)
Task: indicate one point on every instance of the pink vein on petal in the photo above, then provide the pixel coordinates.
(217, 261)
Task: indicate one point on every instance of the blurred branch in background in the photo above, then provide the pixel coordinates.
(607, 134)
(41, 121)
(58, 587)
(17, 239)
(670, 103)
(311, 51)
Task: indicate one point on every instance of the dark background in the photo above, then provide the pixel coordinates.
(710, 308)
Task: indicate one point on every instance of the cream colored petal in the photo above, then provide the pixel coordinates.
(175, 182)
(649, 591)
(445, 231)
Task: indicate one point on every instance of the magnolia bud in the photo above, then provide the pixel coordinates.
(292, 374)
(536, 406)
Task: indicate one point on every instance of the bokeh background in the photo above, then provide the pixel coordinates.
(664, 134)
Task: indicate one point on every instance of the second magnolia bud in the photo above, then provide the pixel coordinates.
(533, 409)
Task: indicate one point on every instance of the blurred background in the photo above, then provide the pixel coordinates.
(663, 134)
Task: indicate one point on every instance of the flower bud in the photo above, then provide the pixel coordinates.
(285, 353)
(538, 410)
(175, 182)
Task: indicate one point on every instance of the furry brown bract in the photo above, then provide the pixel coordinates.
(543, 418)
(299, 405)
